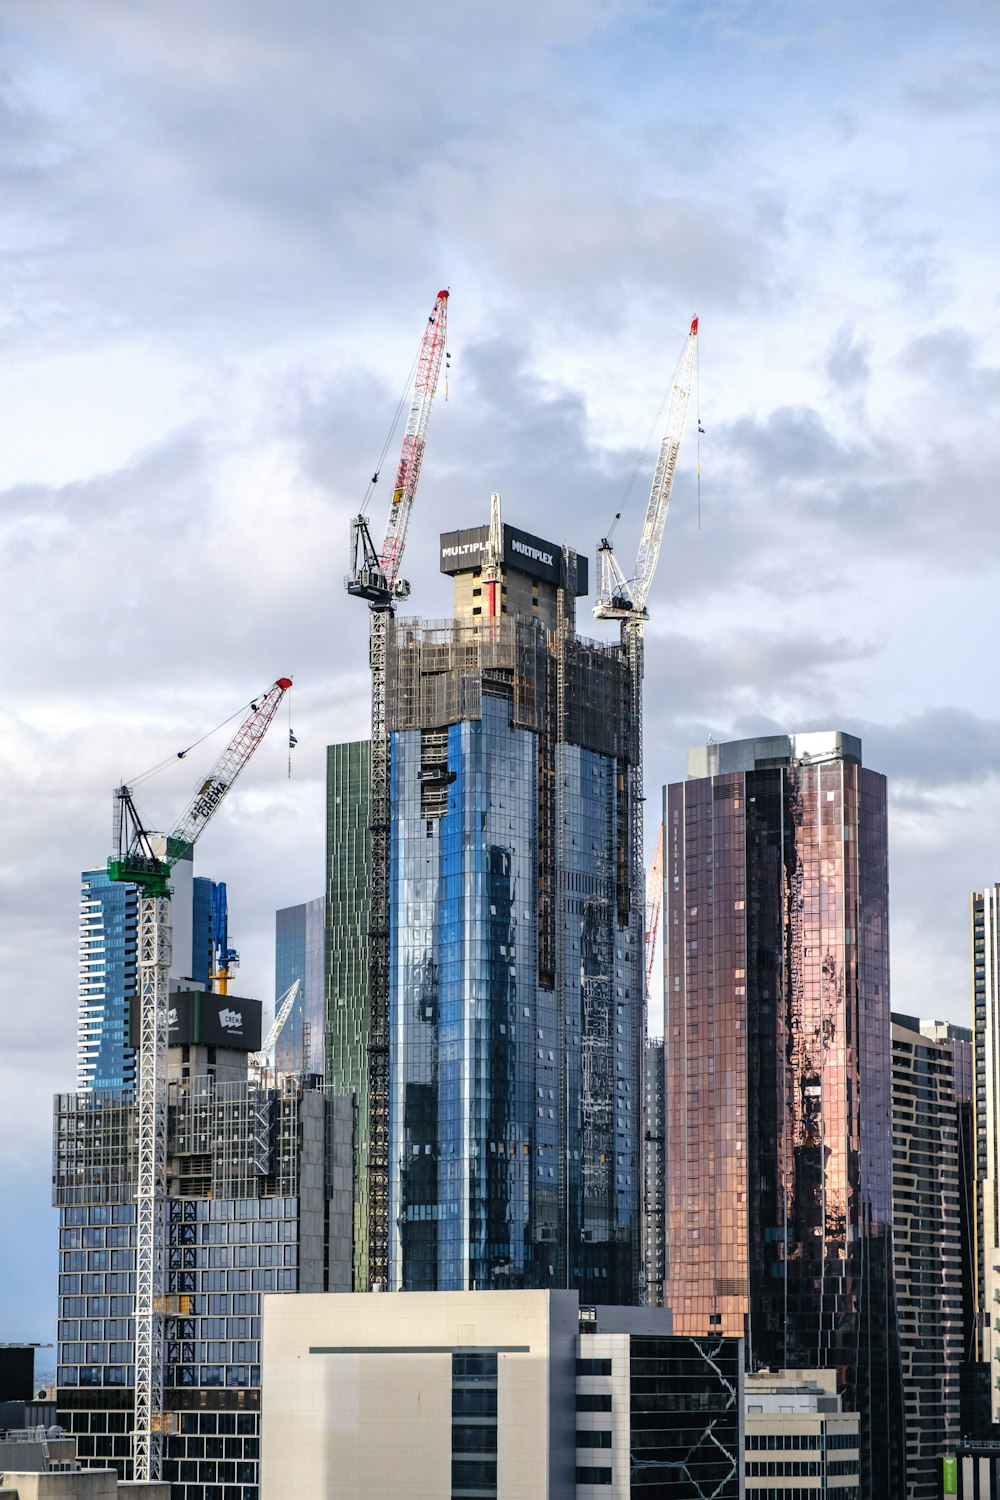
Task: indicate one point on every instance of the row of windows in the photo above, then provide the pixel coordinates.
(224, 1304)
(593, 1476)
(235, 1448)
(596, 1438)
(591, 1402)
(96, 1239)
(236, 1232)
(210, 1472)
(215, 1256)
(99, 1213)
(799, 1492)
(778, 1440)
(191, 1210)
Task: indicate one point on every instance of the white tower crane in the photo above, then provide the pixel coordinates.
(145, 860)
(260, 1063)
(624, 599)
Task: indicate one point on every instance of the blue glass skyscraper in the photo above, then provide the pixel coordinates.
(516, 987)
(299, 941)
(108, 920)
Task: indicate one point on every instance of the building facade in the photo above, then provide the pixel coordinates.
(986, 1115)
(494, 1394)
(800, 1444)
(348, 919)
(109, 913)
(516, 977)
(654, 1173)
(300, 953)
(778, 1068)
(259, 1200)
(927, 1244)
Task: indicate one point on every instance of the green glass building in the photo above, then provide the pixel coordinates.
(346, 966)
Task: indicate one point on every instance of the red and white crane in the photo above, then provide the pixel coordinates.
(654, 906)
(375, 578)
(145, 859)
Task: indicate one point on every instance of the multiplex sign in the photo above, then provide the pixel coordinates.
(464, 550)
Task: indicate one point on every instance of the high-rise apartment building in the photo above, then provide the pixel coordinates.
(516, 980)
(986, 1116)
(778, 1067)
(653, 1173)
(108, 921)
(259, 1199)
(299, 953)
(927, 1244)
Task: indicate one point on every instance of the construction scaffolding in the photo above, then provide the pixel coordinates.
(438, 670)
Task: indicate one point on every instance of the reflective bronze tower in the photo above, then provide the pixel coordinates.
(778, 1068)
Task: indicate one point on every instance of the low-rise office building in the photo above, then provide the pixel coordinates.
(800, 1444)
(510, 1395)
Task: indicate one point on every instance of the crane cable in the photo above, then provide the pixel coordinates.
(181, 754)
(653, 428)
(292, 741)
(407, 391)
(700, 430)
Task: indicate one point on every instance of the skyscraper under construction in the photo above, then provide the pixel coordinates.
(516, 1012)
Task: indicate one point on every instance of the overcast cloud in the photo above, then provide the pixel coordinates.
(222, 229)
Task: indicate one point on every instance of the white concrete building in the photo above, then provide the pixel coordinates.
(514, 1395)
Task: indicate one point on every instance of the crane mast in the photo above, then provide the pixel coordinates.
(145, 860)
(375, 578)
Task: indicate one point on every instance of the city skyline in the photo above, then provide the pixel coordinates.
(840, 327)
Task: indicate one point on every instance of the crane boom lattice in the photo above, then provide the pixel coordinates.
(415, 438)
(624, 599)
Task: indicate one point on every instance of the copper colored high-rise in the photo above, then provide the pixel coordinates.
(778, 1067)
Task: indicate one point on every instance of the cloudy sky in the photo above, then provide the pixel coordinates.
(223, 226)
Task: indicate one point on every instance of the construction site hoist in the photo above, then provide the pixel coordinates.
(145, 860)
(624, 599)
(375, 578)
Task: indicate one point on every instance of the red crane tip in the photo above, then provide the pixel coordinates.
(284, 682)
(694, 325)
(442, 294)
